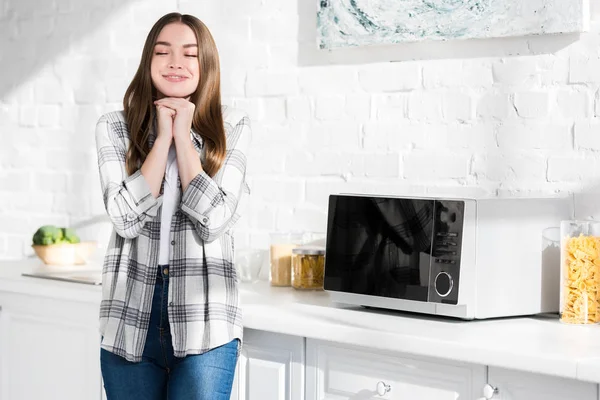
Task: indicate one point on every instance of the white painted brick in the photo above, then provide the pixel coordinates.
(392, 77)
(66, 160)
(28, 116)
(425, 106)
(330, 79)
(48, 116)
(516, 71)
(334, 135)
(253, 106)
(457, 106)
(329, 107)
(274, 109)
(286, 191)
(298, 108)
(435, 165)
(262, 217)
(15, 246)
(584, 69)
(532, 104)
(311, 220)
(22, 95)
(233, 82)
(274, 29)
(574, 104)
(84, 183)
(494, 105)
(587, 135)
(3, 245)
(329, 163)
(15, 181)
(284, 55)
(300, 163)
(391, 107)
(358, 107)
(50, 91)
(18, 224)
(279, 136)
(9, 115)
(90, 93)
(393, 136)
(535, 136)
(265, 161)
(456, 73)
(572, 168)
(382, 166)
(476, 136)
(286, 219)
(50, 182)
(553, 69)
(268, 83)
(510, 167)
(318, 191)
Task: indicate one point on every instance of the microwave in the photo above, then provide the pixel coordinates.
(463, 258)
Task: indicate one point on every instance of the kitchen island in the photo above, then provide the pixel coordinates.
(300, 345)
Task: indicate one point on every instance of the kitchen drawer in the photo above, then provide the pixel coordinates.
(337, 372)
(516, 385)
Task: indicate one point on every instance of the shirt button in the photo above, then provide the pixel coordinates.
(130, 217)
(171, 304)
(205, 220)
(166, 271)
(173, 242)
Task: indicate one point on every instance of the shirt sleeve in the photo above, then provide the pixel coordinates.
(214, 204)
(128, 200)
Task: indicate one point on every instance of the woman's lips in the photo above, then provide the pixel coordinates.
(175, 78)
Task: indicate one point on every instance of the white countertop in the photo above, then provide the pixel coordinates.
(541, 344)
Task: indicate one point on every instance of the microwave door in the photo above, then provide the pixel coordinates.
(379, 246)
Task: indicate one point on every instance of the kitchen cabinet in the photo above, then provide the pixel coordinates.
(49, 349)
(338, 372)
(515, 385)
(270, 367)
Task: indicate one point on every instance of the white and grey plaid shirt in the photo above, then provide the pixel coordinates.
(204, 310)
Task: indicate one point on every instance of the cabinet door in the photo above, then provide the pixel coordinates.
(271, 367)
(516, 385)
(336, 372)
(48, 349)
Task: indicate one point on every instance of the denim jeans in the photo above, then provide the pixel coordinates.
(160, 375)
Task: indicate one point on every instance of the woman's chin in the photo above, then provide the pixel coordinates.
(176, 93)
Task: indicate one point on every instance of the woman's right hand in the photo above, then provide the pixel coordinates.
(166, 117)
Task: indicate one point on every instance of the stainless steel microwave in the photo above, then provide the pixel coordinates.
(465, 258)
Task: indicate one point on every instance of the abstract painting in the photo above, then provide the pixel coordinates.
(343, 23)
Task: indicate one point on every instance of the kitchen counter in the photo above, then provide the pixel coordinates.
(536, 344)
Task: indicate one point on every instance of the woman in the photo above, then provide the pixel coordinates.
(173, 175)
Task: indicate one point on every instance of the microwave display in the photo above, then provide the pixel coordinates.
(394, 247)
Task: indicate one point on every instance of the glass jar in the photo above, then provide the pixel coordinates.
(282, 244)
(580, 272)
(308, 267)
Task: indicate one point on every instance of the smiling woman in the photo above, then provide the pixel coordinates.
(173, 175)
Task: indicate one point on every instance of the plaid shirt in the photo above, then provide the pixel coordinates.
(204, 309)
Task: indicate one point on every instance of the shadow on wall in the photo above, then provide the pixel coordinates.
(310, 55)
(33, 33)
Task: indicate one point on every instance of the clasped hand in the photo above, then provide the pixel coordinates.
(175, 117)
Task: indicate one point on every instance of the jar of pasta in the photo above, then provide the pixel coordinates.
(580, 272)
(308, 267)
(280, 252)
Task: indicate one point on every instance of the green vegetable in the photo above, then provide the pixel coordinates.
(51, 234)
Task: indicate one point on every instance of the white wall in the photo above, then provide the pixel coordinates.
(514, 116)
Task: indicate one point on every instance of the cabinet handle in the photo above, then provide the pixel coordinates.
(383, 388)
(489, 392)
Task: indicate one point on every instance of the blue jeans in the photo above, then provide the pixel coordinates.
(160, 375)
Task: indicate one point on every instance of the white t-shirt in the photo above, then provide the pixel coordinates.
(169, 205)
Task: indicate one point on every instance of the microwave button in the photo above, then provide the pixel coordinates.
(443, 284)
(452, 234)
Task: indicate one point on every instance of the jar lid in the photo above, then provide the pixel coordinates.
(310, 250)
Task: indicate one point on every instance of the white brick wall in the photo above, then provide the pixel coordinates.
(516, 117)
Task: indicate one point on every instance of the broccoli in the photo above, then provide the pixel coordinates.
(50, 234)
(70, 236)
(46, 235)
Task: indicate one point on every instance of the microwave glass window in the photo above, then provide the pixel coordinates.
(381, 246)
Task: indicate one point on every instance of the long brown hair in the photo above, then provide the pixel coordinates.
(208, 118)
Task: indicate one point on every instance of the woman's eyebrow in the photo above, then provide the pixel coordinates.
(185, 46)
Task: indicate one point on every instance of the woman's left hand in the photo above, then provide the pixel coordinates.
(184, 109)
